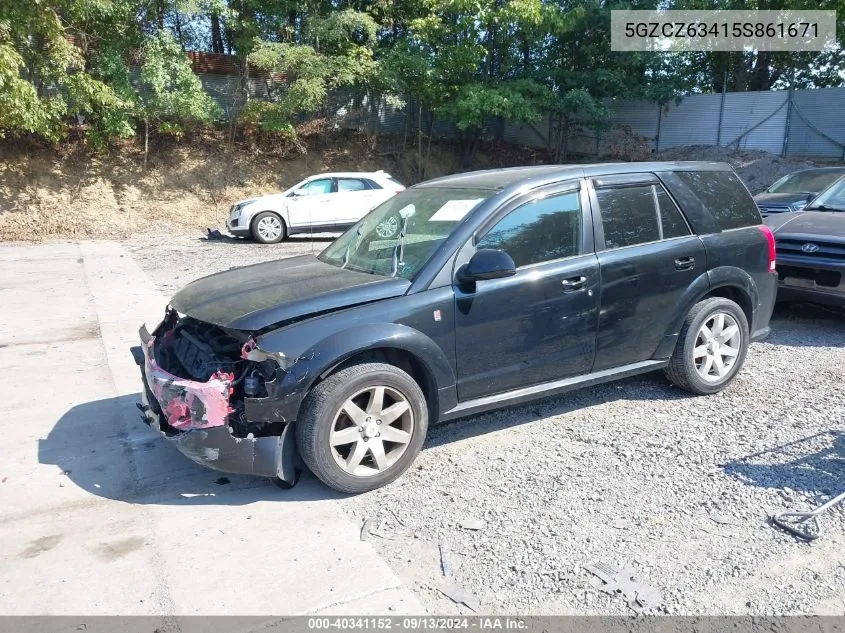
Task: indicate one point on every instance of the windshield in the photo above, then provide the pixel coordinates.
(805, 182)
(832, 199)
(398, 237)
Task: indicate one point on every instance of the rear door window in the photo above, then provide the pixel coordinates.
(351, 184)
(542, 230)
(639, 214)
(671, 220)
(628, 215)
(724, 196)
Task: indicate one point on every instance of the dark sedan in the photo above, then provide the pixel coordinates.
(796, 190)
(811, 250)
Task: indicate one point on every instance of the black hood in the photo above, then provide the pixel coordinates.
(819, 225)
(764, 200)
(259, 296)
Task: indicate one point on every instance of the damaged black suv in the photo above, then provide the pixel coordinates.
(498, 287)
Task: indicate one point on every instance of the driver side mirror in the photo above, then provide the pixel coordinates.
(487, 263)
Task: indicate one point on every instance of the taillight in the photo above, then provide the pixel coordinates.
(770, 238)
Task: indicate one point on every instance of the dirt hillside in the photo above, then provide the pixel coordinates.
(757, 169)
(71, 193)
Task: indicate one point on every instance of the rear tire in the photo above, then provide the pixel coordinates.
(362, 427)
(268, 228)
(711, 348)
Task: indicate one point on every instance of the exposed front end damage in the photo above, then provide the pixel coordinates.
(198, 380)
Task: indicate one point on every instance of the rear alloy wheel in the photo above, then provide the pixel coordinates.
(711, 347)
(362, 427)
(717, 347)
(268, 228)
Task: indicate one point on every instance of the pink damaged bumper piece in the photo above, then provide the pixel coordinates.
(188, 404)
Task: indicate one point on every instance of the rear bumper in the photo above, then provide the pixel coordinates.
(214, 446)
(766, 297)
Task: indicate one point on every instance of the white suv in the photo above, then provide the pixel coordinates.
(325, 202)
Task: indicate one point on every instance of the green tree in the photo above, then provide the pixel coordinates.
(171, 97)
(337, 53)
(43, 75)
(714, 71)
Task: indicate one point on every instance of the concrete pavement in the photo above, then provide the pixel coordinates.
(99, 515)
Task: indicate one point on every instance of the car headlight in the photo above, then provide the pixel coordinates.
(797, 206)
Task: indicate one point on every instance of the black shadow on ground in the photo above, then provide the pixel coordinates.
(651, 386)
(104, 448)
(813, 465)
(298, 238)
(807, 325)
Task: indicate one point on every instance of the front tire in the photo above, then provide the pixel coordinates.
(268, 228)
(362, 427)
(711, 348)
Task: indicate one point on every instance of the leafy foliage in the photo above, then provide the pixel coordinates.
(119, 65)
(518, 100)
(172, 95)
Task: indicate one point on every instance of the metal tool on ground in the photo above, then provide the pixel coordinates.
(805, 525)
(446, 564)
(639, 595)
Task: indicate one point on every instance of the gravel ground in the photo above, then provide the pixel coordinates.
(631, 473)
(174, 259)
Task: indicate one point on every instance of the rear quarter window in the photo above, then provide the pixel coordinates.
(724, 196)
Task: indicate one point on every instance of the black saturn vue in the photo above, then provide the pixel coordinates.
(499, 287)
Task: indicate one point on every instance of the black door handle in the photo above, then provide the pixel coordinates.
(574, 283)
(685, 263)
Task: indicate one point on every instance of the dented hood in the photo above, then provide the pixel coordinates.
(259, 296)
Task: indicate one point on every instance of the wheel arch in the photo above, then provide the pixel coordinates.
(736, 294)
(728, 282)
(393, 343)
(400, 358)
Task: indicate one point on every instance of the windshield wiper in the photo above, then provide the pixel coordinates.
(398, 251)
(822, 207)
(354, 243)
(399, 248)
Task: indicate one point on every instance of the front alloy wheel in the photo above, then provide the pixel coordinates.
(372, 431)
(268, 228)
(361, 427)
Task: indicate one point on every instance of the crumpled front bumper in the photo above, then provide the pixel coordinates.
(177, 413)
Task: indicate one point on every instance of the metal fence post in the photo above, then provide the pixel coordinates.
(659, 120)
(721, 111)
(788, 114)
